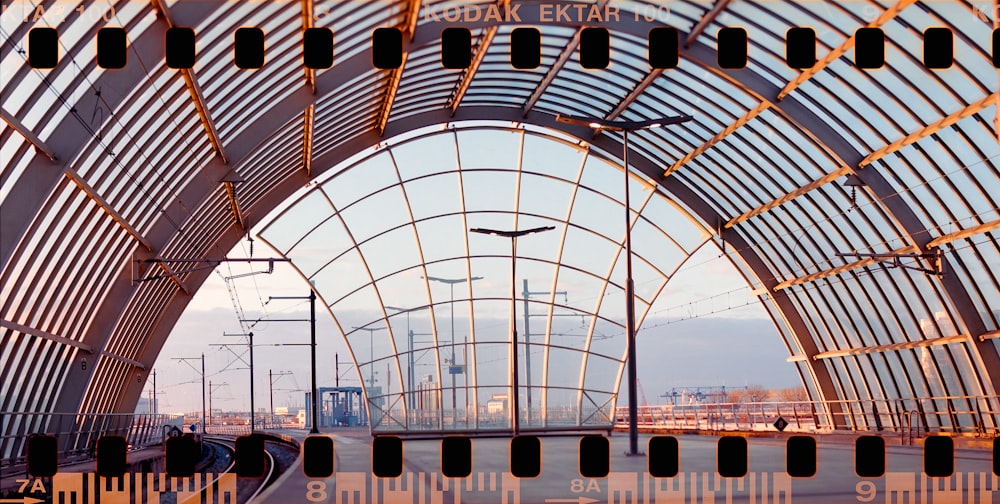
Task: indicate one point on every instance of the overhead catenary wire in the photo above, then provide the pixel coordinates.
(167, 182)
(846, 212)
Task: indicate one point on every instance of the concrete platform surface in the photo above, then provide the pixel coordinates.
(628, 481)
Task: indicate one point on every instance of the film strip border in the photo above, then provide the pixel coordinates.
(525, 452)
(249, 48)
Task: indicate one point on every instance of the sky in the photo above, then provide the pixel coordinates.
(732, 347)
(406, 206)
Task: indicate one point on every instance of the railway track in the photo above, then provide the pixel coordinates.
(279, 454)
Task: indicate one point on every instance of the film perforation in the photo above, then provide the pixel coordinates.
(456, 48)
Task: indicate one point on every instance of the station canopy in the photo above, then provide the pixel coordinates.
(860, 205)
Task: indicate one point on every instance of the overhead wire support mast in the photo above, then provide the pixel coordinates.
(202, 358)
(312, 350)
(894, 260)
(454, 368)
(250, 346)
(270, 386)
(211, 263)
(527, 340)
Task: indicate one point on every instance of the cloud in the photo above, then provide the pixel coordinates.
(696, 352)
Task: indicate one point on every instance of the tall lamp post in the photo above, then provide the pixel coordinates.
(625, 127)
(371, 358)
(513, 235)
(452, 367)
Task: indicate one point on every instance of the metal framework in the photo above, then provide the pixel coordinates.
(888, 15)
(705, 21)
(395, 75)
(759, 169)
(27, 134)
(477, 59)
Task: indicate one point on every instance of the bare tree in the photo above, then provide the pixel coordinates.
(735, 395)
(793, 394)
(757, 393)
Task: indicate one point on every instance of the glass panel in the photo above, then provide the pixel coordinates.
(488, 190)
(545, 196)
(493, 374)
(585, 290)
(495, 284)
(391, 252)
(404, 291)
(593, 209)
(381, 211)
(488, 149)
(601, 373)
(562, 406)
(543, 246)
(432, 154)
(556, 159)
(444, 237)
(329, 240)
(350, 185)
(564, 368)
(341, 277)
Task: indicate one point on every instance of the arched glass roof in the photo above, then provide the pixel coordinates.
(386, 243)
(109, 173)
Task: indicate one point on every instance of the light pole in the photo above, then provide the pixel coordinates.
(452, 368)
(513, 235)
(625, 127)
(371, 349)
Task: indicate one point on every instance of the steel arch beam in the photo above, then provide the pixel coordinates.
(162, 234)
(287, 187)
(795, 112)
(71, 140)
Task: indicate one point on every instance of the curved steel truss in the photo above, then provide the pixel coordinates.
(106, 167)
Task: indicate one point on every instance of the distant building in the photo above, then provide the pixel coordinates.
(497, 405)
(428, 394)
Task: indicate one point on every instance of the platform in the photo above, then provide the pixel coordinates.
(628, 482)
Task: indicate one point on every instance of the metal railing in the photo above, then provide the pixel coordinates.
(911, 417)
(228, 430)
(77, 433)
(239, 429)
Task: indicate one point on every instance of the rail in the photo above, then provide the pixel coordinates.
(272, 465)
(77, 433)
(247, 492)
(968, 415)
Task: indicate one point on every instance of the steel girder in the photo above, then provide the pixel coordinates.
(30, 193)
